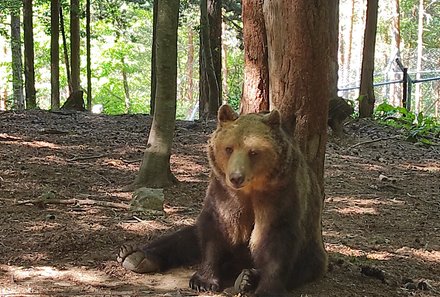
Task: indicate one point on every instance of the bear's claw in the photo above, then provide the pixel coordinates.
(202, 284)
(247, 281)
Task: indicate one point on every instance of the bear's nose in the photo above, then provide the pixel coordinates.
(236, 179)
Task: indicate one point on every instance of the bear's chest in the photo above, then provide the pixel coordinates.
(237, 219)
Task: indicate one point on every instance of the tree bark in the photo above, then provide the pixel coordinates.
(66, 52)
(54, 55)
(17, 64)
(256, 69)
(303, 70)
(155, 169)
(29, 73)
(75, 45)
(209, 96)
(215, 38)
(366, 92)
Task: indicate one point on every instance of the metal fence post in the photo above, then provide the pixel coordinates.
(405, 89)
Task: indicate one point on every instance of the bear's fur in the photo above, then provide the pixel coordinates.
(261, 215)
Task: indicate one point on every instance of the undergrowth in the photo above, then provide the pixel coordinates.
(418, 128)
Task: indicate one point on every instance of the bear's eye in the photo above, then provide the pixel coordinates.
(229, 150)
(253, 153)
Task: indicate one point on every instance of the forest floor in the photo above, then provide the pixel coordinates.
(381, 219)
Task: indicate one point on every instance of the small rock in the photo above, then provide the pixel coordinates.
(147, 199)
(424, 285)
(50, 216)
(410, 286)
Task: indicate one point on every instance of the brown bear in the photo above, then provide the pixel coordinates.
(261, 215)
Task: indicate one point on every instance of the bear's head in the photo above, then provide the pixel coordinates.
(248, 152)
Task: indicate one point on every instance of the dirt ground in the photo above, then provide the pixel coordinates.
(381, 218)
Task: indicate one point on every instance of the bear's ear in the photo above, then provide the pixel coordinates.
(273, 119)
(226, 114)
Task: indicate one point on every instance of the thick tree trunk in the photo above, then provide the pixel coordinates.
(209, 96)
(75, 45)
(55, 55)
(17, 64)
(303, 70)
(366, 92)
(256, 68)
(29, 72)
(155, 169)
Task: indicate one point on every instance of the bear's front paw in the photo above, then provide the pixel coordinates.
(201, 283)
(134, 259)
(247, 281)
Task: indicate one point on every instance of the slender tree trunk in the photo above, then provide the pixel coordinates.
(190, 65)
(347, 61)
(303, 70)
(66, 52)
(395, 50)
(209, 97)
(366, 92)
(225, 71)
(155, 169)
(75, 45)
(417, 96)
(203, 83)
(55, 54)
(215, 38)
(29, 73)
(17, 64)
(153, 60)
(256, 68)
(126, 88)
(89, 60)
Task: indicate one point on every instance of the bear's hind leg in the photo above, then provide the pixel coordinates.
(172, 250)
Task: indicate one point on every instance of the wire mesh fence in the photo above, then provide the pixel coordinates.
(423, 92)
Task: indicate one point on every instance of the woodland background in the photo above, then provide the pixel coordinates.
(121, 43)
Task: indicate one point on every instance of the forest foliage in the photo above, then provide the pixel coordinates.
(121, 40)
